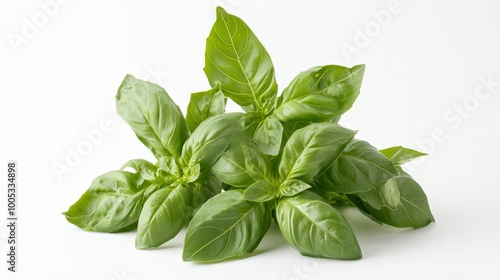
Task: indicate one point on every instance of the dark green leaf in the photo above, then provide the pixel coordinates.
(312, 149)
(225, 226)
(413, 210)
(153, 116)
(400, 155)
(360, 168)
(210, 140)
(315, 228)
(112, 203)
(268, 135)
(164, 215)
(321, 93)
(203, 105)
(236, 59)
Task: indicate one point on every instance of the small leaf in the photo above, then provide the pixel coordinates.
(225, 226)
(260, 191)
(237, 60)
(146, 169)
(312, 149)
(293, 187)
(413, 210)
(153, 116)
(389, 193)
(320, 94)
(210, 140)
(231, 166)
(192, 172)
(167, 167)
(258, 166)
(203, 105)
(268, 135)
(315, 228)
(400, 155)
(164, 215)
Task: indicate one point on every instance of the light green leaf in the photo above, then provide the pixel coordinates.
(203, 105)
(146, 169)
(260, 191)
(210, 140)
(153, 116)
(400, 155)
(225, 226)
(112, 203)
(236, 59)
(311, 150)
(164, 215)
(292, 187)
(315, 228)
(167, 167)
(320, 94)
(258, 166)
(268, 135)
(231, 166)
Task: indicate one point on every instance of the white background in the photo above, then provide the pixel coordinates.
(423, 79)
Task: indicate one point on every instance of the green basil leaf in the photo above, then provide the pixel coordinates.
(236, 59)
(167, 167)
(293, 187)
(360, 168)
(203, 105)
(146, 169)
(192, 172)
(315, 228)
(153, 116)
(320, 94)
(400, 155)
(258, 166)
(231, 166)
(413, 210)
(268, 135)
(385, 195)
(163, 216)
(312, 149)
(260, 191)
(112, 203)
(210, 140)
(225, 226)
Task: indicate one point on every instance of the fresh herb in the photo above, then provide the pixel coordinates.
(285, 158)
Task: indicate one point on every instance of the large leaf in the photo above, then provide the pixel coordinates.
(315, 228)
(236, 59)
(210, 140)
(231, 166)
(203, 105)
(311, 150)
(153, 116)
(360, 168)
(321, 93)
(400, 155)
(225, 226)
(163, 216)
(112, 203)
(413, 210)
